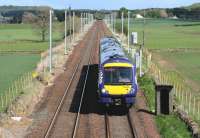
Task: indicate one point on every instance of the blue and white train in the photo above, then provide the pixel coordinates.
(117, 74)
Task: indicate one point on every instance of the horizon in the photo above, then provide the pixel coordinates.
(111, 5)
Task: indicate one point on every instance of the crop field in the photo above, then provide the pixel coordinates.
(22, 37)
(186, 63)
(164, 36)
(15, 65)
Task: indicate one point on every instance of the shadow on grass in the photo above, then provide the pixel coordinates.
(182, 25)
(39, 41)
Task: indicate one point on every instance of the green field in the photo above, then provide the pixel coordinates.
(186, 63)
(163, 33)
(22, 37)
(175, 46)
(19, 38)
(13, 66)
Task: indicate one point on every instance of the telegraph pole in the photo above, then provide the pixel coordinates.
(65, 32)
(50, 40)
(111, 17)
(81, 22)
(73, 25)
(142, 45)
(70, 26)
(128, 31)
(122, 18)
(114, 21)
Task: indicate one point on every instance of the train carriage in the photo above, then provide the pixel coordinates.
(117, 75)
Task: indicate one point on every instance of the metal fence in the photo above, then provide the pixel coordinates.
(186, 98)
(16, 89)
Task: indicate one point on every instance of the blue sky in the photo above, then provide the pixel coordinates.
(102, 4)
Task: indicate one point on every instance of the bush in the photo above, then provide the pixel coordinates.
(118, 28)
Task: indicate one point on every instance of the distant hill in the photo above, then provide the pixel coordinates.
(193, 6)
(4, 9)
(16, 12)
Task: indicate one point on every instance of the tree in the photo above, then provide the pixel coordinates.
(39, 21)
(125, 12)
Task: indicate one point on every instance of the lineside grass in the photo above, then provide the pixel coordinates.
(169, 126)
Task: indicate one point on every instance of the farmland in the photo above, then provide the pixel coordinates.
(186, 63)
(17, 39)
(164, 36)
(22, 37)
(15, 65)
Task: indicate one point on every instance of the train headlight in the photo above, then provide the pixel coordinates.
(103, 90)
(132, 90)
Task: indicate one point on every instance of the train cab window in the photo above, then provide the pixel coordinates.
(118, 75)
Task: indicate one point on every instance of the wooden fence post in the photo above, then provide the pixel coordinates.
(194, 104)
(2, 101)
(189, 102)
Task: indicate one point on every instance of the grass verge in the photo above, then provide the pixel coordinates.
(169, 126)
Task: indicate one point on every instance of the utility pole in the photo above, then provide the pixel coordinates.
(70, 25)
(65, 32)
(84, 17)
(50, 40)
(122, 18)
(73, 25)
(114, 21)
(142, 45)
(81, 22)
(111, 19)
(128, 31)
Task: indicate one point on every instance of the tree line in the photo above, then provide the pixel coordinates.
(185, 13)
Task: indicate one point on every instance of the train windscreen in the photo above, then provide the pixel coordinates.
(118, 75)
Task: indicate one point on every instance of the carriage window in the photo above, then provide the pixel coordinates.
(118, 75)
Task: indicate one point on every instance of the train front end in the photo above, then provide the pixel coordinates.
(118, 83)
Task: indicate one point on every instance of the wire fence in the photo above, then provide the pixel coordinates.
(20, 86)
(16, 89)
(185, 98)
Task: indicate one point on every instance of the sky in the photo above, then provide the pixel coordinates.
(101, 4)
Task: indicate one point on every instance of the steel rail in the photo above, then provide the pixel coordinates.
(133, 129)
(61, 103)
(82, 96)
(52, 123)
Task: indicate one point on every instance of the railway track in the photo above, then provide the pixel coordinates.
(76, 126)
(80, 118)
(130, 126)
(127, 116)
(78, 114)
(50, 128)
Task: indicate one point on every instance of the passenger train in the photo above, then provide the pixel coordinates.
(117, 81)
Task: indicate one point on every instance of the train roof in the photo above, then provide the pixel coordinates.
(110, 48)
